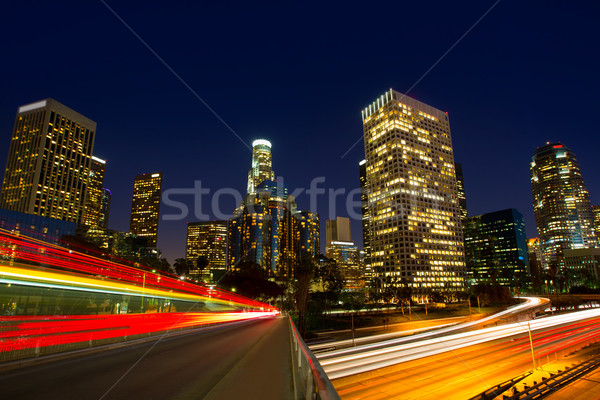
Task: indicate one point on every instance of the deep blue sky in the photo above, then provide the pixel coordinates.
(298, 74)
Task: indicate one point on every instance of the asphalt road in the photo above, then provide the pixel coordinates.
(461, 373)
(246, 360)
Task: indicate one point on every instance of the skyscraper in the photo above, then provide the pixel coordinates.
(208, 239)
(105, 211)
(338, 229)
(261, 164)
(496, 248)
(49, 160)
(307, 225)
(145, 206)
(561, 203)
(460, 185)
(415, 223)
(93, 205)
(266, 228)
(366, 217)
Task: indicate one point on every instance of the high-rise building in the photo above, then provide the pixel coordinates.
(308, 227)
(415, 222)
(338, 229)
(145, 206)
(266, 228)
(208, 239)
(596, 212)
(496, 248)
(105, 210)
(582, 268)
(366, 217)
(261, 164)
(49, 161)
(460, 185)
(561, 203)
(93, 205)
(347, 257)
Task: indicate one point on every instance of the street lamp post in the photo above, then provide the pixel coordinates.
(531, 344)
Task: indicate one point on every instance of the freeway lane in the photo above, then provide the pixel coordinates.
(464, 372)
(249, 359)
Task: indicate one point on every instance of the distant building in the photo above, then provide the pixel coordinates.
(105, 210)
(596, 212)
(582, 267)
(49, 162)
(347, 257)
(414, 215)
(535, 260)
(121, 244)
(308, 228)
(460, 185)
(266, 228)
(261, 169)
(561, 203)
(207, 239)
(93, 215)
(338, 229)
(366, 216)
(496, 248)
(145, 207)
(50, 230)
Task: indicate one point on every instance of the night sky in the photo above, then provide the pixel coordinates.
(298, 74)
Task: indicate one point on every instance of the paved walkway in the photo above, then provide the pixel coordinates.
(264, 370)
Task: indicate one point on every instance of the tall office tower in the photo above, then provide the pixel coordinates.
(49, 161)
(266, 228)
(93, 205)
(496, 248)
(308, 227)
(460, 185)
(415, 224)
(364, 209)
(337, 229)
(145, 206)
(261, 164)
(208, 239)
(561, 203)
(105, 211)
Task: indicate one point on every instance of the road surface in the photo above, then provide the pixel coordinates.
(242, 360)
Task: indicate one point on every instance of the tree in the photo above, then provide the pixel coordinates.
(202, 262)
(329, 275)
(304, 273)
(161, 264)
(182, 266)
(251, 280)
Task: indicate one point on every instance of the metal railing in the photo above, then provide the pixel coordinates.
(310, 380)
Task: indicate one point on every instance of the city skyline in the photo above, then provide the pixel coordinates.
(501, 96)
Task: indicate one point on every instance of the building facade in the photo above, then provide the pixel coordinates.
(145, 207)
(49, 162)
(261, 169)
(50, 230)
(366, 217)
(105, 211)
(207, 239)
(266, 228)
(415, 223)
(460, 186)
(338, 229)
(93, 215)
(561, 203)
(496, 248)
(582, 268)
